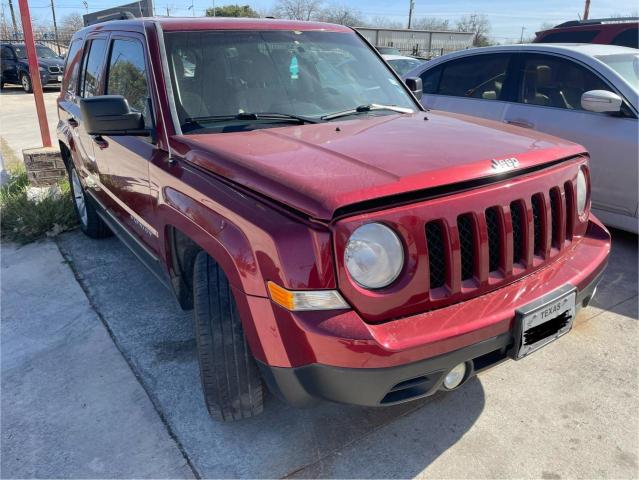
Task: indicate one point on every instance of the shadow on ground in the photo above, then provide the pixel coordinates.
(157, 339)
(620, 281)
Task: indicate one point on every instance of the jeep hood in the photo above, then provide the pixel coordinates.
(320, 168)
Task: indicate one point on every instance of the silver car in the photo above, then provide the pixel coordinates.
(584, 93)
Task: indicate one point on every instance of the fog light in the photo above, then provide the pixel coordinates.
(455, 377)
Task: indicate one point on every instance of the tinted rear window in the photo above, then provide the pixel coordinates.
(581, 36)
(627, 38)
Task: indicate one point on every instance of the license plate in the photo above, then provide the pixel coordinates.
(544, 321)
(59, 78)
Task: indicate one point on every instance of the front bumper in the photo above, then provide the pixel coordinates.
(51, 79)
(336, 355)
(304, 386)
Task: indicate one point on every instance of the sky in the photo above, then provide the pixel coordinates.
(507, 17)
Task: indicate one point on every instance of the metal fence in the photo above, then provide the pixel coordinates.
(424, 43)
(58, 43)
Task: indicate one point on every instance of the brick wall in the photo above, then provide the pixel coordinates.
(44, 166)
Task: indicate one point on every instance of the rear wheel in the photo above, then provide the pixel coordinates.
(25, 80)
(230, 378)
(90, 222)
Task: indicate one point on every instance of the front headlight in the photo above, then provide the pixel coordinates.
(374, 256)
(582, 192)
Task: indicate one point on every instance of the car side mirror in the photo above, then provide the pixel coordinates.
(111, 115)
(601, 101)
(414, 84)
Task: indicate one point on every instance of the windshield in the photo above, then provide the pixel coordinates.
(402, 66)
(306, 74)
(43, 52)
(627, 66)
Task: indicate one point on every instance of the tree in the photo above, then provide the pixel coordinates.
(479, 25)
(298, 9)
(384, 22)
(429, 23)
(232, 11)
(341, 14)
(70, 24)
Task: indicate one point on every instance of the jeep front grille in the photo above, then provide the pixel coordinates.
(539, 223)
(55, 69)
(469, 243)
(436, 258)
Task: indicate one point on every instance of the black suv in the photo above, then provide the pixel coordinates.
(14, 66)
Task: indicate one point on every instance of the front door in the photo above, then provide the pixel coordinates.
(127, 157)
(549, 100)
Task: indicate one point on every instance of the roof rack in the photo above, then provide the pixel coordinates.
(107, 17)
(597, 21)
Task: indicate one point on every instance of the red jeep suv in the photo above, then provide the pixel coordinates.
(334, 240)
(606, 31)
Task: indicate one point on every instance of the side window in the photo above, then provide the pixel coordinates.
(627, 38)
(91, 68)
(71, 66)
(127, 74)
(478, 76)
(556, 82)
(6, 53)
(579, 36)
(430, 80)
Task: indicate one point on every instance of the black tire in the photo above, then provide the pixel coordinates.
(91, 224)
(25, 81)
(1, 83)
(230, 378)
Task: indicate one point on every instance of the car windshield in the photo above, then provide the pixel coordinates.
(626, 65)
(229, 81)
(403, 66)
(43, 52)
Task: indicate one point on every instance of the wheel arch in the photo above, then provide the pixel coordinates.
(182, 245)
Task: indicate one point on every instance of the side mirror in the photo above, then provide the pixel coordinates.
(111, 115)
(415, 85)
(601, 101)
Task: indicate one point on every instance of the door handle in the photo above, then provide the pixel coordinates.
(72, 122)
(520, 123)
(100, 142)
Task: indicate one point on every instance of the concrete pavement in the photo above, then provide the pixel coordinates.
(19, 122)
(569, 410)
(71, 406)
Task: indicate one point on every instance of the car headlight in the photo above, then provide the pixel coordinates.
(374, 256)
(42, 69)
(582, 192)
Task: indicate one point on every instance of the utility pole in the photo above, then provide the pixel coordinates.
(410, 12)
(168, 11)
(587, 10)
(13, 20)
(55, 29)
(34, 72)
(521, 39)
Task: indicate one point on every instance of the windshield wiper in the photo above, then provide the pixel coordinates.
(286, 117)
(367, 108)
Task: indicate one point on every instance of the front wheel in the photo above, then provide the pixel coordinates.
(25, 80)
(230, 378)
